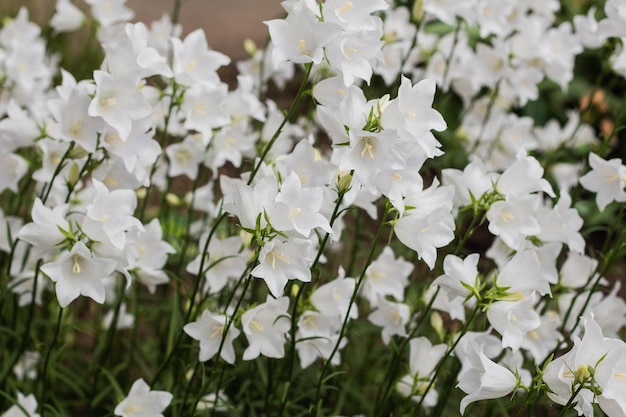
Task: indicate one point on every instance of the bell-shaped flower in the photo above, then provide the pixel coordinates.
(143, 402)
(266, 327)
(149, 254)
(513, 219)
(25, 406)
(131, 54)
(77, 272)
(114, 211)
(423, 358)
(333, 298)
(312, 170)
(429, 224)
(12, 168)
(67, 17)
(607, 179)
(44, 232)
(209, 331)
(281, 261)
(562, 224)
(412, 115)
(386, 275)
(392, 317)
(591, 365)
(194, 62)
(300, 37)
(249, 203)
(514, 320)
(317, 336)
(226, 261)
(368, 154)
(118, 101)
(297, 208)
(484, 379)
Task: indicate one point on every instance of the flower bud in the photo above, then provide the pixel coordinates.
(172, 199)
(344, 183)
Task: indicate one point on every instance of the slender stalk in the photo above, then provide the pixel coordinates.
(344, 326)
(287, 117)
(443, 360)
(291, 353)
(46, 363)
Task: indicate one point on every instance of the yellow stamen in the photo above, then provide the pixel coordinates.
(368, 147)
(76, 268)
(257, 326)
(107, 103)
(345, 7)
(76, 129)
(507, 217)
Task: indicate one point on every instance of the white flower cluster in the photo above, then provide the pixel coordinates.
(270, 245)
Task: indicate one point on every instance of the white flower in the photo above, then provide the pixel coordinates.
(26, 407)
(281, 261)
(392, 317)
(209, 330)
(300, 37)
(266, 326)
(607, 179)
(78, 273)
(67, 17)
(485, 379)
(142, 402)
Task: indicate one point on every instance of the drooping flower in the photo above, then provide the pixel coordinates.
(484, 379)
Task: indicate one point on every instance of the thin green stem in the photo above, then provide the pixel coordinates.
(287, 117)
(44, 374)
(443, 360)
(291, 354)
(344, 326)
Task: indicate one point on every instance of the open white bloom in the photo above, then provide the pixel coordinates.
(607, 179)
(26, 407)
(142, 402)
(392, 317)
(67, 17)
(209, 331)
(387, 275)
(266, 327)
(281, 261)
(300, 37)
(423, 358)
(79, 273)
(596, 363)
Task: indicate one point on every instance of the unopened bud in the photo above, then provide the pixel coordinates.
(418, 11)
(73, 176)
(344, 183)
(78, 152)
(249, 46)
(172, 199)
(437, 323)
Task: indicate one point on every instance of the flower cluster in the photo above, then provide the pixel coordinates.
(436, 218)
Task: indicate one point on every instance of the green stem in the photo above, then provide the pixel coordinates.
(447, 355)
(291, 354)
(344, 326)
(287, 117)
(44, 374)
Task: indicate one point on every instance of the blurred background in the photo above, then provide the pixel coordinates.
(226, 22)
